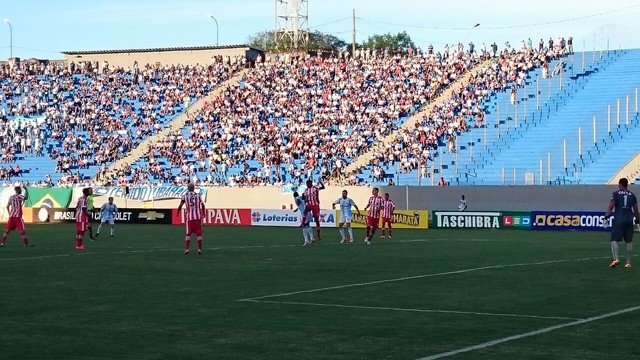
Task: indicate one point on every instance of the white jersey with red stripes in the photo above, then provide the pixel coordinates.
(387, 208)
(375, 205)
(82, 214)
(16, 202)
(312, 196)
(194, 206)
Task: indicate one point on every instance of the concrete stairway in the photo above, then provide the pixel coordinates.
(364, 158)
(176, 125)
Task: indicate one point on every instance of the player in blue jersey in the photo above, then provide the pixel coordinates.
(307, 232)
(108, 213)
(625, 204)
(346, 216)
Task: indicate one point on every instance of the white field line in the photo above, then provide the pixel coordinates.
(529, 334)
(453, 272)
(413, 310)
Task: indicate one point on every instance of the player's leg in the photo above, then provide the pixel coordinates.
(342, 233)
(10, 226)
(187, 238)
(316, 217)
(628, 238)
(23, 233)
(350, 230)
(100, 227)
(305, 237)
(309, 231)
(80, 230)
(616, 236)
(382, 229)
(112, 226)
(390, 228)
(199, 236)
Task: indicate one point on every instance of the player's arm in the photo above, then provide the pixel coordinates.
(635, 211)
(26, 193)
(333, 206)
(321, 185)
(356, 206)
(202, 207)
(181, 205)
(366, 207)
(612, 204)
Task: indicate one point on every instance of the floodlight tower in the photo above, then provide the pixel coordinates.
(292, 23)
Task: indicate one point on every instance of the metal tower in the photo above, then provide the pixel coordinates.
(292, 23)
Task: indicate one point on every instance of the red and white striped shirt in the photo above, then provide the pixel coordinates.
(312, 196)
(387, 208)
(194, 206)
(82, 216)
(16, 202)
(375, 206)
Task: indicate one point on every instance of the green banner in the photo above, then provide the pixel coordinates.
(51, 197)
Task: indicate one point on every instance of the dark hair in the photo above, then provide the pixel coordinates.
(624, 182)
(17, 189)
(295, 194)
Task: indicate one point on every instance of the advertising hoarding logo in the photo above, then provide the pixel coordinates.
(467, 220)
(571, 220)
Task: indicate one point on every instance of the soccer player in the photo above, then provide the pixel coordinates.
(14, 208)
(307, 233)
(375, 207)
(625, 204)
(90, 210)
(463, 204)
(346, 215)
(388, 206)
(82, 218)
(195, 213)
(312, 199)
(108, 213)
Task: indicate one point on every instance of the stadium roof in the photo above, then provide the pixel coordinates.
(187, 48)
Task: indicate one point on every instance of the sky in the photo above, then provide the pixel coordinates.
(44, 28)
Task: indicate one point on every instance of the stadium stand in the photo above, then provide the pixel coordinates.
(65, 124)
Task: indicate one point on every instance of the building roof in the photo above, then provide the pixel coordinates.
(187, 48)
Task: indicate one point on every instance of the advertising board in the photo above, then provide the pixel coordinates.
(267, 217)
(402, 219)
(467, 220)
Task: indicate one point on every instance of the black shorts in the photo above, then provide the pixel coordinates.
(622, 231)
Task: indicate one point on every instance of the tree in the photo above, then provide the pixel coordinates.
(400, 40)
(317, 41)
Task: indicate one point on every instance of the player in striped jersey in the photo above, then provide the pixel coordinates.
(82, 218)
(14, 208)
(375, 207)
(195, 213)
(312, 198)
(307, 233)
(387, 213)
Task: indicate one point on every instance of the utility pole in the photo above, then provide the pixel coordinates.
(353, 39)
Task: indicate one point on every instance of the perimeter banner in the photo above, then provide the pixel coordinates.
(267, 217)
(146, 193)
(571, 220)
(402, 219)
(467, 220)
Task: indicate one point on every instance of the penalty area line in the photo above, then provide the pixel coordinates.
(453, 272)
(529, 334)
(413, 310)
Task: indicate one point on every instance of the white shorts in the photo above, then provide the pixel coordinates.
(110, 221)
(345, 218)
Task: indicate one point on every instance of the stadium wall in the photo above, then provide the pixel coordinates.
(498, 198)
(183, 56)
(234, 198)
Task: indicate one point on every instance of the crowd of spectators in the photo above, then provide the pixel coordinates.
(90, 115)
(294, 117)
(414, 148)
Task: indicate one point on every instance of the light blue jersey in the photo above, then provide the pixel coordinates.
(302, 205)
(108, 212)
(346, 211)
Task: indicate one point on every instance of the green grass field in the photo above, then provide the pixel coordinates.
(257, 294)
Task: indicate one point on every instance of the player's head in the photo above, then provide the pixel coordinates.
(309, 183)
(375, 191)
(18, 190)
(462, 197)
(191, 187)
(295, 194)
(344, 194)
(85, 192)
(90, 190)
(623, 183)
(110, 199)
(386, 196)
